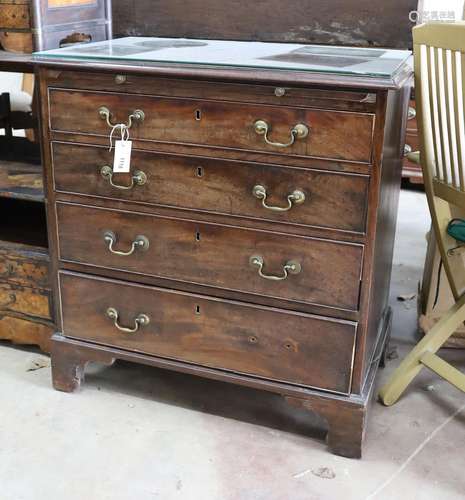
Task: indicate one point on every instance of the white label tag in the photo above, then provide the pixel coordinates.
(122, 161)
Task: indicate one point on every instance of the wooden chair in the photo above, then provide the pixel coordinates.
(5, 114)
(439, 55)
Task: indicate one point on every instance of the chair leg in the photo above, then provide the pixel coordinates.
(444, 370)
(412, 365)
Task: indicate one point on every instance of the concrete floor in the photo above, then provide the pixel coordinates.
(140, 433)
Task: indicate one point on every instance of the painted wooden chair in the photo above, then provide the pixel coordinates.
(439, 55)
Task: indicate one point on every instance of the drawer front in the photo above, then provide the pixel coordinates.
(214, 255)
(14, 16)
(327, 98)
(331, 199)
(412, 140)
(331, 134)
(270, 343)
(23, 265)
(26, 330)
(24, 300)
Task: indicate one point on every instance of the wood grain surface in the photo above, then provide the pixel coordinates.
(332, 134)
(214, 255)
(275, 344)
(332, 199)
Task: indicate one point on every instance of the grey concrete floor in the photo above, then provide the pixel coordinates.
(136, 432)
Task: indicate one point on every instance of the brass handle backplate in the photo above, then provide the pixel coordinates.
(136, 116)
(299, 131)
(291, 267)
(139, 178)
(141, 320)
(141, 243)
(295, 198)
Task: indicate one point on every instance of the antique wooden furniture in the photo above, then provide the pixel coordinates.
(410, 169)
(335, 22)
(25, 294)
(16, 25)
(10, 121)
(439, 50)
(27, 25)
(251, 241)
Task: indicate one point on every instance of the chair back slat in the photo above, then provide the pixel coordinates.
(443, 123)
(459, 116)
(449, 90)
(431, 107)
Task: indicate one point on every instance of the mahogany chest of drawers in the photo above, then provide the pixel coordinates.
(251, 241)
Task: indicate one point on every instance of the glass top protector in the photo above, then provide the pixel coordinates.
(294, 57)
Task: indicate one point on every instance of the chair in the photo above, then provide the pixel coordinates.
(5, 114)
(439, 55)
(17, 107)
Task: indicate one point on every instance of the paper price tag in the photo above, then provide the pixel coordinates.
(122, 160)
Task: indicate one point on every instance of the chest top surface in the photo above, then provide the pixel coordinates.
(247, 60)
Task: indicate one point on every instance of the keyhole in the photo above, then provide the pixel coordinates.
(199, 172)
(197, 236)
(197, 309)
(198, 115)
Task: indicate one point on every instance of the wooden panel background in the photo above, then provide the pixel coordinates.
(335, 22)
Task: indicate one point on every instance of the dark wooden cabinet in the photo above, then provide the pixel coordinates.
(218, 254)
(412, 171)
(25, 286)
(28, 25)
(25, 295)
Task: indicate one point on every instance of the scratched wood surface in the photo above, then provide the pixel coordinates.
(336, 22)
(15, 14)
(20, 330)
(21, 180)
(25, 293)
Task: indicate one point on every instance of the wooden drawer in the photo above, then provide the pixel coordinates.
(332, 134)
(214, 255)
(24, 330)
(14, 15)
(412, 140)
(24, 265)
(264, 342)
(311, 97)
(332, 199)
(24, 300)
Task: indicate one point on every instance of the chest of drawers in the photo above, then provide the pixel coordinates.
(251, 241)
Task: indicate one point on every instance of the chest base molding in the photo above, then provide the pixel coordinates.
(345, 417)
